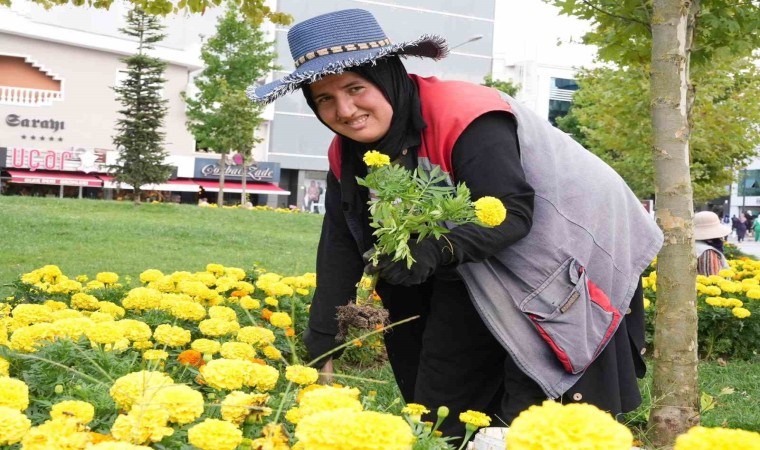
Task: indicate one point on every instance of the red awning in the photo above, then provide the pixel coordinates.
(54, 178)
(237, 187)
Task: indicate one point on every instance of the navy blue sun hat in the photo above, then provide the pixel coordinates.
(330, 43)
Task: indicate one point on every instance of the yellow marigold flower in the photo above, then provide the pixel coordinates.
(474, 418)
(99, 317)
(28, 313)
(647, 303)
(104, 333)
(301, 374)
(143, 424)
(272, 352)
(741, 313)
(415, 409)
(142, 298)
(82, 278)
(227, 374)
(490, 211)
(726, 273)
(728, 286)
(564, 427)
(237, 350)
(135, 330)
(218, 327)
(184, 403)
(238, 406)
(702, 438)
(83, 412)
(714, 301)
(117, 446)
(61, 434)
(222, 312)
(4, 366)
(84, 301)
(235, 272)
(54, 305)
(112, 309)
(365, 430)
(263, 378)
(249, 303)
(293, 415)
(271, 301)
(373, 158)
(257, 336)
(754, 294)
(155, 355)
(281, 320)
(107, 277)
(13, 425)
(215, 434)
(132, 386)
(215, 269)
(329, 398)
(302, 291)
(150, 275)
(171, 335)
(274, 438)
(29, 338)
(206, 346)
(713, 291)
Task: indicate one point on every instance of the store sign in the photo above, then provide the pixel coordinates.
(262, 172)
(58, 181)
(14, 120)
(74, 159)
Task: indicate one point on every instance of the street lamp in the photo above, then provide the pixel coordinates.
(472, 38)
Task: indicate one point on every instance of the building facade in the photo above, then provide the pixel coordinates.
(58, 111)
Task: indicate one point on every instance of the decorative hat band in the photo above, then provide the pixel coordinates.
(340, 49)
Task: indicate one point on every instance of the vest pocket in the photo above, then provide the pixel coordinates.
(573, 316)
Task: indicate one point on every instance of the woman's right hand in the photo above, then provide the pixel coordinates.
(326, 375)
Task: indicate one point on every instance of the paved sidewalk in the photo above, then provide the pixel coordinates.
(748, 246)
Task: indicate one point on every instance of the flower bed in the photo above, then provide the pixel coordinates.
(728, 307)
(208, 360)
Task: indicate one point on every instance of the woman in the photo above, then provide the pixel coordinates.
(708, 243)
(501, 309)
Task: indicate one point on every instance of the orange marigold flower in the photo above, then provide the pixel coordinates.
(191, 357)
(266, 313)
(358, 342)
(238, 294)
(379, 327)
(258, 361)
(376, 296)
(96, 438)
(290, 332)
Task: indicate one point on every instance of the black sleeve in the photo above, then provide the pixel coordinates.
(486, 157)
(339, 268)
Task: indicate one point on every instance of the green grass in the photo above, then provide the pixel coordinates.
(90, 236)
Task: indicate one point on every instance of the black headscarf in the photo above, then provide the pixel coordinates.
(390, 76)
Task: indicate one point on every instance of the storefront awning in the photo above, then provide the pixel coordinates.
(54, 178)
(236, 187)
(170, 185)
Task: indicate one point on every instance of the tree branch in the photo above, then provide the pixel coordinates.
(629, 19)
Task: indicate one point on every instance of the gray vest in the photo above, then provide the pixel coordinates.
(587, 225)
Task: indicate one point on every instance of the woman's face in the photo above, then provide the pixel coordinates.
(352, 106)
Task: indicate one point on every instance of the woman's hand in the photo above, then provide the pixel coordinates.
(326, 375)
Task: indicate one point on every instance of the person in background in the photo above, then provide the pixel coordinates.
(479, 294)
(709, 233)
(741, 228)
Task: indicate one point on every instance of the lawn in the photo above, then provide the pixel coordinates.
(90, 236)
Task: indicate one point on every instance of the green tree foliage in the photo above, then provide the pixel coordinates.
(255, 10)
(139, 139)
(506, 86)
(234, 58)
(610, 116)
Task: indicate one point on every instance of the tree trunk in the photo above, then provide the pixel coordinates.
(243, 180)
(223, 169)
(136, 196)
(675, 391)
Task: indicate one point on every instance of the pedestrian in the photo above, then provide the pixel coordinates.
(709, 233)
(741, 228)
(547, 304)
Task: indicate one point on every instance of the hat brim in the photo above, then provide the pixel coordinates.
(426, 46)
(712, 232)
